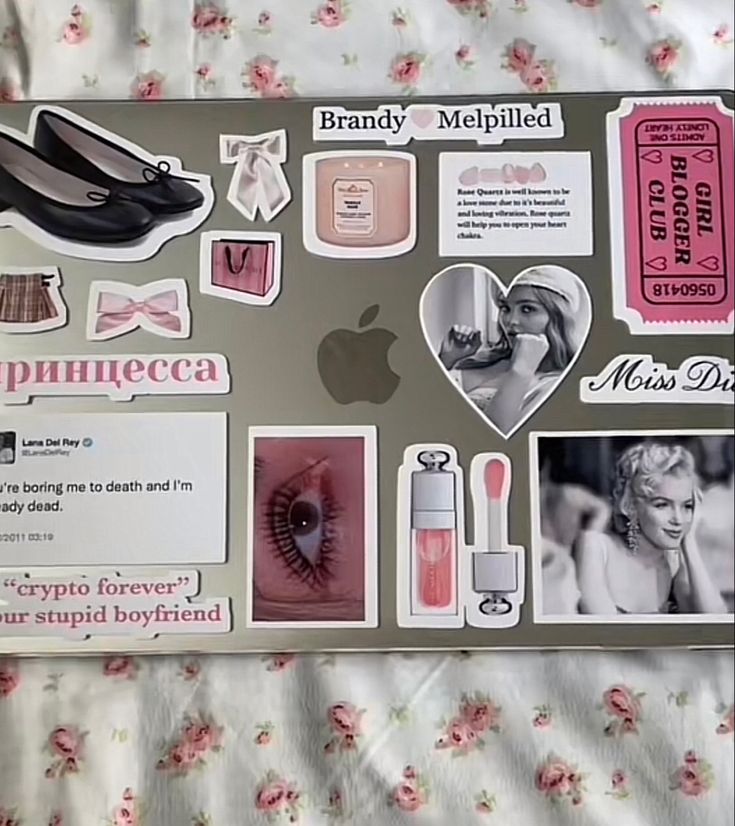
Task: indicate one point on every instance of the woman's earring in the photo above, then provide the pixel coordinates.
(632, 535)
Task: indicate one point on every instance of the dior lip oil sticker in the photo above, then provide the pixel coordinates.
(433, 535)
(496, 588)
(430, 527)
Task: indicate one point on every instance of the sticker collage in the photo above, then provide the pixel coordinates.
(206, 443)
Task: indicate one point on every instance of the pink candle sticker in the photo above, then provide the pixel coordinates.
(671, 194)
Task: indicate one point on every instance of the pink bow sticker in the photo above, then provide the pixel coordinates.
(116, 308)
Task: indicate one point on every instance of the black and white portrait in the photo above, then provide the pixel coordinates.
(7, 448)
(506, 348)
(633, 525)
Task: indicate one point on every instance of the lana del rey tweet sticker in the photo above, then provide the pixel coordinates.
(671, 203)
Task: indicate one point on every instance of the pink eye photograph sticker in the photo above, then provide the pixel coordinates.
(312, 517)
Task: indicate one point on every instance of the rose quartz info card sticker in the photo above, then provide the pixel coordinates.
(671, 203)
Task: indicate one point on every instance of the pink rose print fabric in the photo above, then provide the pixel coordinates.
(543, 717)
(278, 49)
(190, 671)
(619, 785)
(485, 803)
(560, 781)
(727, 723)
(345, 723)
(663, 55)
(623, 704)
(129, 812)
(722, 35)
(66, 746)
(279, 662)
(149, 86)
(477, 8)
(121, 668)
(278, 799)
(264, 736)
(263, 78)
(535, 74)
(478, 715)
(9, 817)
(261, 740)
(199, 738)
(406, 70)
(210, 19)
(465, 56)
(411, 792)
(694, 778)
(357, 740)
(9, 90)
(9, 678)
(78, 26)
(331, 14)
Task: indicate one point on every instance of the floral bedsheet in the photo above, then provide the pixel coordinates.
(640, 739)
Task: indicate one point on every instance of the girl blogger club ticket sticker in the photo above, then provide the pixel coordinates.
(671, 205)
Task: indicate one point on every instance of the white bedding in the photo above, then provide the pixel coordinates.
(533, 739)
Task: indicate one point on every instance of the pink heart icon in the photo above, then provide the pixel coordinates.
(704, 155)
(422, 117)
(658, 263)
(653, 156)
(711, 263)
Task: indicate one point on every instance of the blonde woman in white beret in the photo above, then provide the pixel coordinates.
(542, 323)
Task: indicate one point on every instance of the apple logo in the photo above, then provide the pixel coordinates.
(354, 365)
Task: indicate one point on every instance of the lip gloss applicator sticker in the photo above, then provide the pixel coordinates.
(430, 531)
(496, 589)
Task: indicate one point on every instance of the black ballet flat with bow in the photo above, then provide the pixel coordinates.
(65, 205)
(88, 155)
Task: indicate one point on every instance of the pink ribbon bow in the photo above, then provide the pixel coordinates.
(115, 310)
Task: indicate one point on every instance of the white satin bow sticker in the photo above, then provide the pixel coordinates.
(258, 183)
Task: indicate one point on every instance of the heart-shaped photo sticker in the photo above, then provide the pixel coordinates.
(506, 349)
